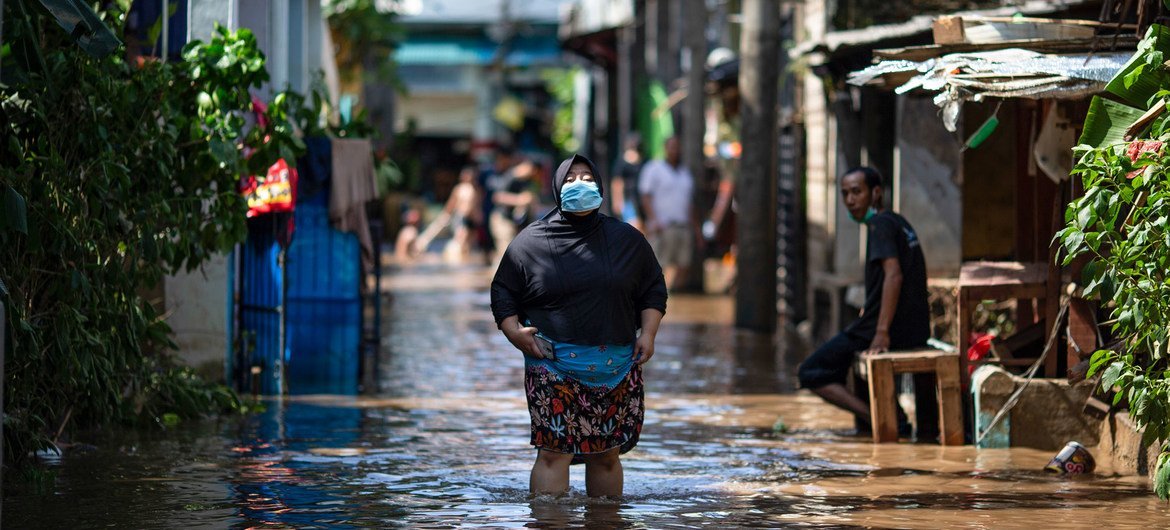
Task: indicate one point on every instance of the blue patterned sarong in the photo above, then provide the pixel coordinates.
(595, 366)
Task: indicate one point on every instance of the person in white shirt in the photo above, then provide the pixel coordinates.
(666, 187)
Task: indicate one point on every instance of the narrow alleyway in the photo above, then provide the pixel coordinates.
(444, 443)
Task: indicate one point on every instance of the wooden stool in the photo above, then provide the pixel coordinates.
(880, 370)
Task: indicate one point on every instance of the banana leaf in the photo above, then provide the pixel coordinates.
(1107, 122)
(14, 214)
(1143, 75)
(78, 19)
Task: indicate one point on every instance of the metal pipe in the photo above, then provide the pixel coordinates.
(3, 342)
(165, 18)
(1, 36)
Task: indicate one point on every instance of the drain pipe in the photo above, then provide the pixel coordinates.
(3, 343)
(165, 18)
(1, 39)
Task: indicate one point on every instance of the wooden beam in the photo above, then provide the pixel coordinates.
(922, 53)
(949, 30)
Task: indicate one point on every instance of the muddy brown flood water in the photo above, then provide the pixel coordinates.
(443, 443)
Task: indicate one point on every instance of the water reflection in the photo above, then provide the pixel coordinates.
(438, 448)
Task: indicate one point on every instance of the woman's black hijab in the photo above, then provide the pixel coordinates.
(582, 254)
(563, 173)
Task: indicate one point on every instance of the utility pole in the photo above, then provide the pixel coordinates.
(755, 299)
(665, 36)
(693, 114)
(694, 122)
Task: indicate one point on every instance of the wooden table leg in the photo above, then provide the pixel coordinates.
(882, 412)
(950, 401)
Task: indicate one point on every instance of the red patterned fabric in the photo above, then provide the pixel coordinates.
(569, 416)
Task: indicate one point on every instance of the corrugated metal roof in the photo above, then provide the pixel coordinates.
(921, 24)
(1001, 73)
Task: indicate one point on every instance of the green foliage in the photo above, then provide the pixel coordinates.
(128, 173)
(367, 37)
(561, 84)
(1144, 75)
(1106, 122)
(1162, 476)
(1121, 226)
(1121, 223)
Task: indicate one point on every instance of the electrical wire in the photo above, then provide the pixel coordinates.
(1028, 375)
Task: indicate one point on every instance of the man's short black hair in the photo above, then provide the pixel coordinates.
(873, 178)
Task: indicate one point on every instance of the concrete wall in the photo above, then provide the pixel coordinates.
(197, 305)
(1048, 415)
(204, 14)
(197, 302)
(928, 183)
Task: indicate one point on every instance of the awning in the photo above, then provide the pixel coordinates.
(453, 51)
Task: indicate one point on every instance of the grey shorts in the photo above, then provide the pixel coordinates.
(673, 245)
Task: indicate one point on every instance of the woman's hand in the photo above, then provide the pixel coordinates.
(644, 345)
(643, 348)
(523, 338)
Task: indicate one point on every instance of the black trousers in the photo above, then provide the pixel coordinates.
(831, 364)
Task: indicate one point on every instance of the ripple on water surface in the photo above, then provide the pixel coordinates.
(444, 443)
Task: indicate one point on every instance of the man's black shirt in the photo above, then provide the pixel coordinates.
(890, 236)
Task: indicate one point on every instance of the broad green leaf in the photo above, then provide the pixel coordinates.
(1162, 473)
(1138, 89)
(1111, 375)
(1107, 121)
(1099, 358)
(224, 152)
(14, 216)
(79, 21)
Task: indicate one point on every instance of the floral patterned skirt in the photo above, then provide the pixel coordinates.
(569, 416)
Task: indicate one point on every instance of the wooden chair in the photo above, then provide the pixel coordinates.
(879, 370)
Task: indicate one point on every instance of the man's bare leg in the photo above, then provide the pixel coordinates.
(837, 394)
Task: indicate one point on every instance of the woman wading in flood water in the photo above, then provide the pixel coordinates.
(571, 293)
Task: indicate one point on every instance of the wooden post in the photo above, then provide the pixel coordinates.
(755, 299)
(694, 123)
(666, 40)
(882, 409)
(950, 400)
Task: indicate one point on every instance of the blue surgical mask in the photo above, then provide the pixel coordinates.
(580, 196)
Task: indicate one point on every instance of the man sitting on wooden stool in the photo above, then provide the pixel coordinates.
(896, 314)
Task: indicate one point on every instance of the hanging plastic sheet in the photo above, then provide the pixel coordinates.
(1001, 73)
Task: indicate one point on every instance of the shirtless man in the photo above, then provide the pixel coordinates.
(461, 212)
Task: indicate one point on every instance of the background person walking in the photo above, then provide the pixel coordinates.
(666, 187)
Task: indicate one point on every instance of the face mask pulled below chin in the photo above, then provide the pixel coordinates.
(580, 196)
(868, 215)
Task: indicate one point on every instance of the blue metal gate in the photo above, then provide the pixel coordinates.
(261, 349)
(324, 304)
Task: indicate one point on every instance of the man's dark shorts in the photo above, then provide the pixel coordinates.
(831, 362)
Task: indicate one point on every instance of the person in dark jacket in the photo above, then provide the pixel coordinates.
(572, 292)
